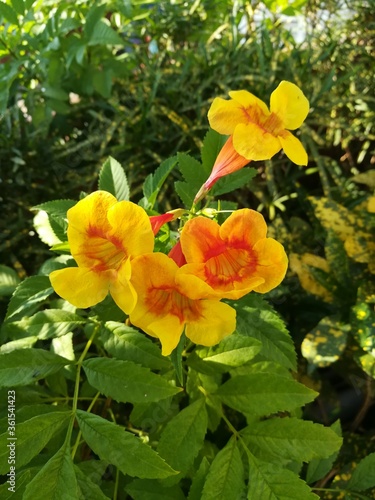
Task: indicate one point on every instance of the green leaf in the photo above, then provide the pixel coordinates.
(194, 177)
(23, 478)
(8, 13)
(149, 489)
(176, 359)
(18, 6)
(50, 323)
(102, 81)
(94, 15)
(318, 468)
(225, 479)
(257, 319)
(232, 351)
(289, 439)
(264, 393)
(56, 208)
(155, 181)
(363, 476)
(326, 342)
(185, 193)
(234, 181)
(127, 382)
(273, 483)
(112, 178)
(9, 280)
(103, 34)
(183, 436)
(29, 292)
(88, 488)
(32, 436)
(42, 223)
(197, 485)
(122, 449)
(55, 480)
(28, 365)
(128, 344)
(212, 145)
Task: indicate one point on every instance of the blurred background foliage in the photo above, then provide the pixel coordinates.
(134, 79)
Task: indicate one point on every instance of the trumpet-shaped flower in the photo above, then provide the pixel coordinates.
(256, 132)
(170, 302)
(234, 258)
(103, 235)
(157, 221)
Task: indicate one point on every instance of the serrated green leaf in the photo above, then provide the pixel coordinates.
(127, 344)
(42, 223)
(55, 480)
(326, 342)
(234, 181)
(127, 382)
(18, 6)
(269, 482)
(88, 488)
(56, 208)
(8, 13)
(212, 145)
(197, 485)
(23, 478)
(122, 449)
(225, 479)
(155, 181)
(264, 394)
(363, 476)
(112, 178)
(192, 170)
(318, 468)
(103, 34)
(232, 351)
(183, 436)
(194, 176)
(28, 365)
(93, 16)
(257, 319)
(50, 323)
(9, 280)
(149, 489)
(29, 292)
(32, 436)
(185, 192)
(289, 439)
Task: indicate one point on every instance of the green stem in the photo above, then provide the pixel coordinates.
(77, 382)
(78, 438)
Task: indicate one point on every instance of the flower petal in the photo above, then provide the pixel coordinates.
(167, 329)
(87, 224)
(272, 263)
(224, 115)
(199, 238)
(293, 148)
(255, 108)
(289, 103)
(244, 227)
(254, 142)
(216, 322)
(131, 227)
(122, 290)
(80, 286)
(227, 162)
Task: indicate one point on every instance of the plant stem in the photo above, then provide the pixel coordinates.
(76, 386)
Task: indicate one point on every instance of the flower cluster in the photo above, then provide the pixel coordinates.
(112, 241)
